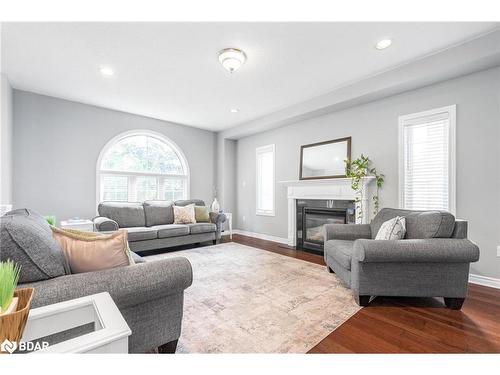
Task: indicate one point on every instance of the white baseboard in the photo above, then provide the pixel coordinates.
(261, 236)
(484, 281)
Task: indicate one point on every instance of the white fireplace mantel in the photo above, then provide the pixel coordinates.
(335, 188)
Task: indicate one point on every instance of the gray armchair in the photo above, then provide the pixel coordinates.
(432, 261)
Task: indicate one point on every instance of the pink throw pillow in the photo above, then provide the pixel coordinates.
(89, 251)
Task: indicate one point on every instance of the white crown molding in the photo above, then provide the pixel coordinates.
(484, 281)
(475, 55)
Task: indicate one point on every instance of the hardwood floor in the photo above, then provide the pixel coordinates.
(408, 325)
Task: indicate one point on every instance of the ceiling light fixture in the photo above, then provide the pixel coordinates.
(383, 44)
(107, 71)
(235, 110)
(232, 59)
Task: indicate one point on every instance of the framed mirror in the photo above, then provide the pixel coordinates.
(324, 159)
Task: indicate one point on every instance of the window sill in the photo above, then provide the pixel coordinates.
(265, 213)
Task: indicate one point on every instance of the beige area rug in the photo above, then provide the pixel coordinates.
(247, 300)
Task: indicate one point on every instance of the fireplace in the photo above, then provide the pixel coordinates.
(312, 214)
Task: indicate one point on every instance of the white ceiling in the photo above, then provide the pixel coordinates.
(170, 71)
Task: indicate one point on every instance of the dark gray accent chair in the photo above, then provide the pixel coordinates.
(150, 225)
(148, 294)
(431, 261)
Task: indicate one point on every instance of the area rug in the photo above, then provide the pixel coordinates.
(247, 300)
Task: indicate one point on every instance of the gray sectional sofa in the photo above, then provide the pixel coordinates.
(431, 261)
(149, 295)
(150, 225)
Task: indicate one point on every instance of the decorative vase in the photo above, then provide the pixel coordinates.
(12, 325)
(215, 206)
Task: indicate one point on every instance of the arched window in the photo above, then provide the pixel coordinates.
(141, 165)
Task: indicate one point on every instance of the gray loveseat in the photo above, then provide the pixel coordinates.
(150, 225)
(432, 261)
(149, 295)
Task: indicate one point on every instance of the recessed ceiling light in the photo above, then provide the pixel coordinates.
(383, 44)
(235, 110)
(232, 59)
(107, 71)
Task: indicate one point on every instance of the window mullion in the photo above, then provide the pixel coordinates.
(132, 188)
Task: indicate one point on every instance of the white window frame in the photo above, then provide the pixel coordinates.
(133, 175)
(452, 183)
(258, 151)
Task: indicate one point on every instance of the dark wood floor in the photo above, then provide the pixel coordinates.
(408, 325)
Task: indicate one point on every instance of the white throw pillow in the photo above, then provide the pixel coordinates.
(393, 229)
(184, 214)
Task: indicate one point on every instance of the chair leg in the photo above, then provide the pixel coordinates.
(330, 270)
(454, 303)
(214, 242)
(362, 300)
(168, 348)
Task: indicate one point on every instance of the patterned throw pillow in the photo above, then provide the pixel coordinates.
(393, 229)
(184, 214)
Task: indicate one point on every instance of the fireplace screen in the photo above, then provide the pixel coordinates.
(312, 215)
(314, 221)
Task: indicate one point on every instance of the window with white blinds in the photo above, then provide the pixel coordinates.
(265, 180)
(142, 165)
(427, 160)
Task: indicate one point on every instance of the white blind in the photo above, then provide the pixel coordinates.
(265, 180)
(426, 162)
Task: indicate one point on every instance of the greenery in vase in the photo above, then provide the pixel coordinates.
(51, 220)
(356, 170)
(9, 276)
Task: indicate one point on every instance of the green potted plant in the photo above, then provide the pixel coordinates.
(356, 170)
(9, 276)
(14, 303)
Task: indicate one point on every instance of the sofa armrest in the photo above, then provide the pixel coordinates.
(104, 224)
(128, 286)
(433, 250)
(348, 232)
(218, 219)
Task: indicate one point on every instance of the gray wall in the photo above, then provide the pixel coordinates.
(57, 143)
(6, 130)
(374, 131)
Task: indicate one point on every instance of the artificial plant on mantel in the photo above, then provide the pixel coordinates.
(357, 169)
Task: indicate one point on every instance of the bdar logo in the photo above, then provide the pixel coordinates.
(8, 346)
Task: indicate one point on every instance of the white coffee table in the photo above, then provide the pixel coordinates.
(78, 224)
(110, 333)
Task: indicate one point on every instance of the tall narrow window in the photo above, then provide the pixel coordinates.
(142, 165)
(427, 160)
(265, 180)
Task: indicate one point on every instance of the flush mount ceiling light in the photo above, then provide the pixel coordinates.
(235, 110)
(106, 71)
(232, 59)
(383, 44)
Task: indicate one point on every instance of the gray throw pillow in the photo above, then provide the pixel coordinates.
(26, 239)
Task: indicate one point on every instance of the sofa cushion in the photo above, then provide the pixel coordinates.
(141, 233)
(26, 239)
(202, 228)
(171, 230)
(158, 212)
(340, 251)
(419, 224)
(126, 214)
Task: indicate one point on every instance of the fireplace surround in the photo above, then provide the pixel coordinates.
(336, 189)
